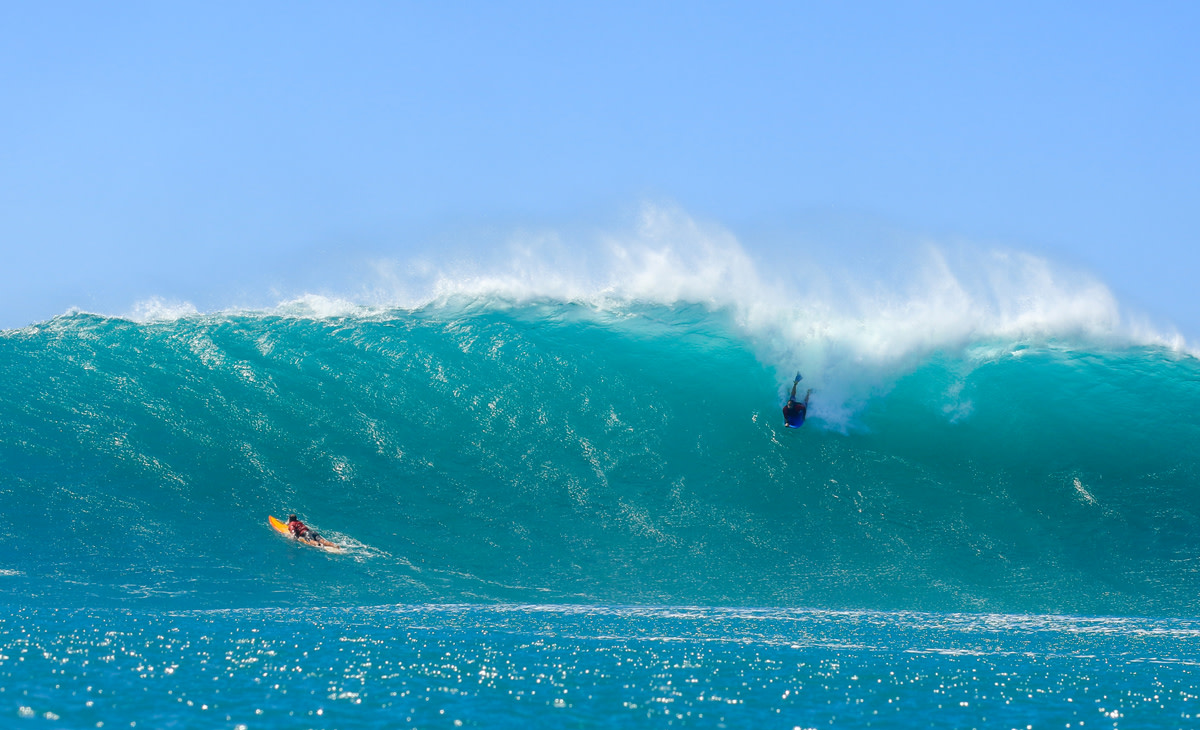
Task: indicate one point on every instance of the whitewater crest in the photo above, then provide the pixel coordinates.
(934, 297)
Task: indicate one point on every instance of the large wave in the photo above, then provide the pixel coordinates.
(991, 436)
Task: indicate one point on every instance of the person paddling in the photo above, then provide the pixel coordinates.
(301, 531)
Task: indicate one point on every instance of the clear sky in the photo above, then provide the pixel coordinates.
(216, 150)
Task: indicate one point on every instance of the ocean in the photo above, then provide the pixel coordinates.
(565, 512)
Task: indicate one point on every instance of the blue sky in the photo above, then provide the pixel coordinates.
(219, 152)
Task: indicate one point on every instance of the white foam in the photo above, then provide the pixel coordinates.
(943, 296)
(319, 306)
(156, 309)
(305, 306)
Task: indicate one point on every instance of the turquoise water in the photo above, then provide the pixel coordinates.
(524, 489)
(593, 666)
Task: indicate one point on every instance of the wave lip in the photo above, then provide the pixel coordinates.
(898, 303)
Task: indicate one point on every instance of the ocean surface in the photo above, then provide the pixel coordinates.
(565, 513)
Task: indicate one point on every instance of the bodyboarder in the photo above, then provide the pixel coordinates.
(794, 411)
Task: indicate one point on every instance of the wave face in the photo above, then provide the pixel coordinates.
(551, 451)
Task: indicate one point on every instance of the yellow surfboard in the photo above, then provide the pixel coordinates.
(282, 529)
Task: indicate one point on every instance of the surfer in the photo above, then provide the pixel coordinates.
(301, 531)
(795, 411)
